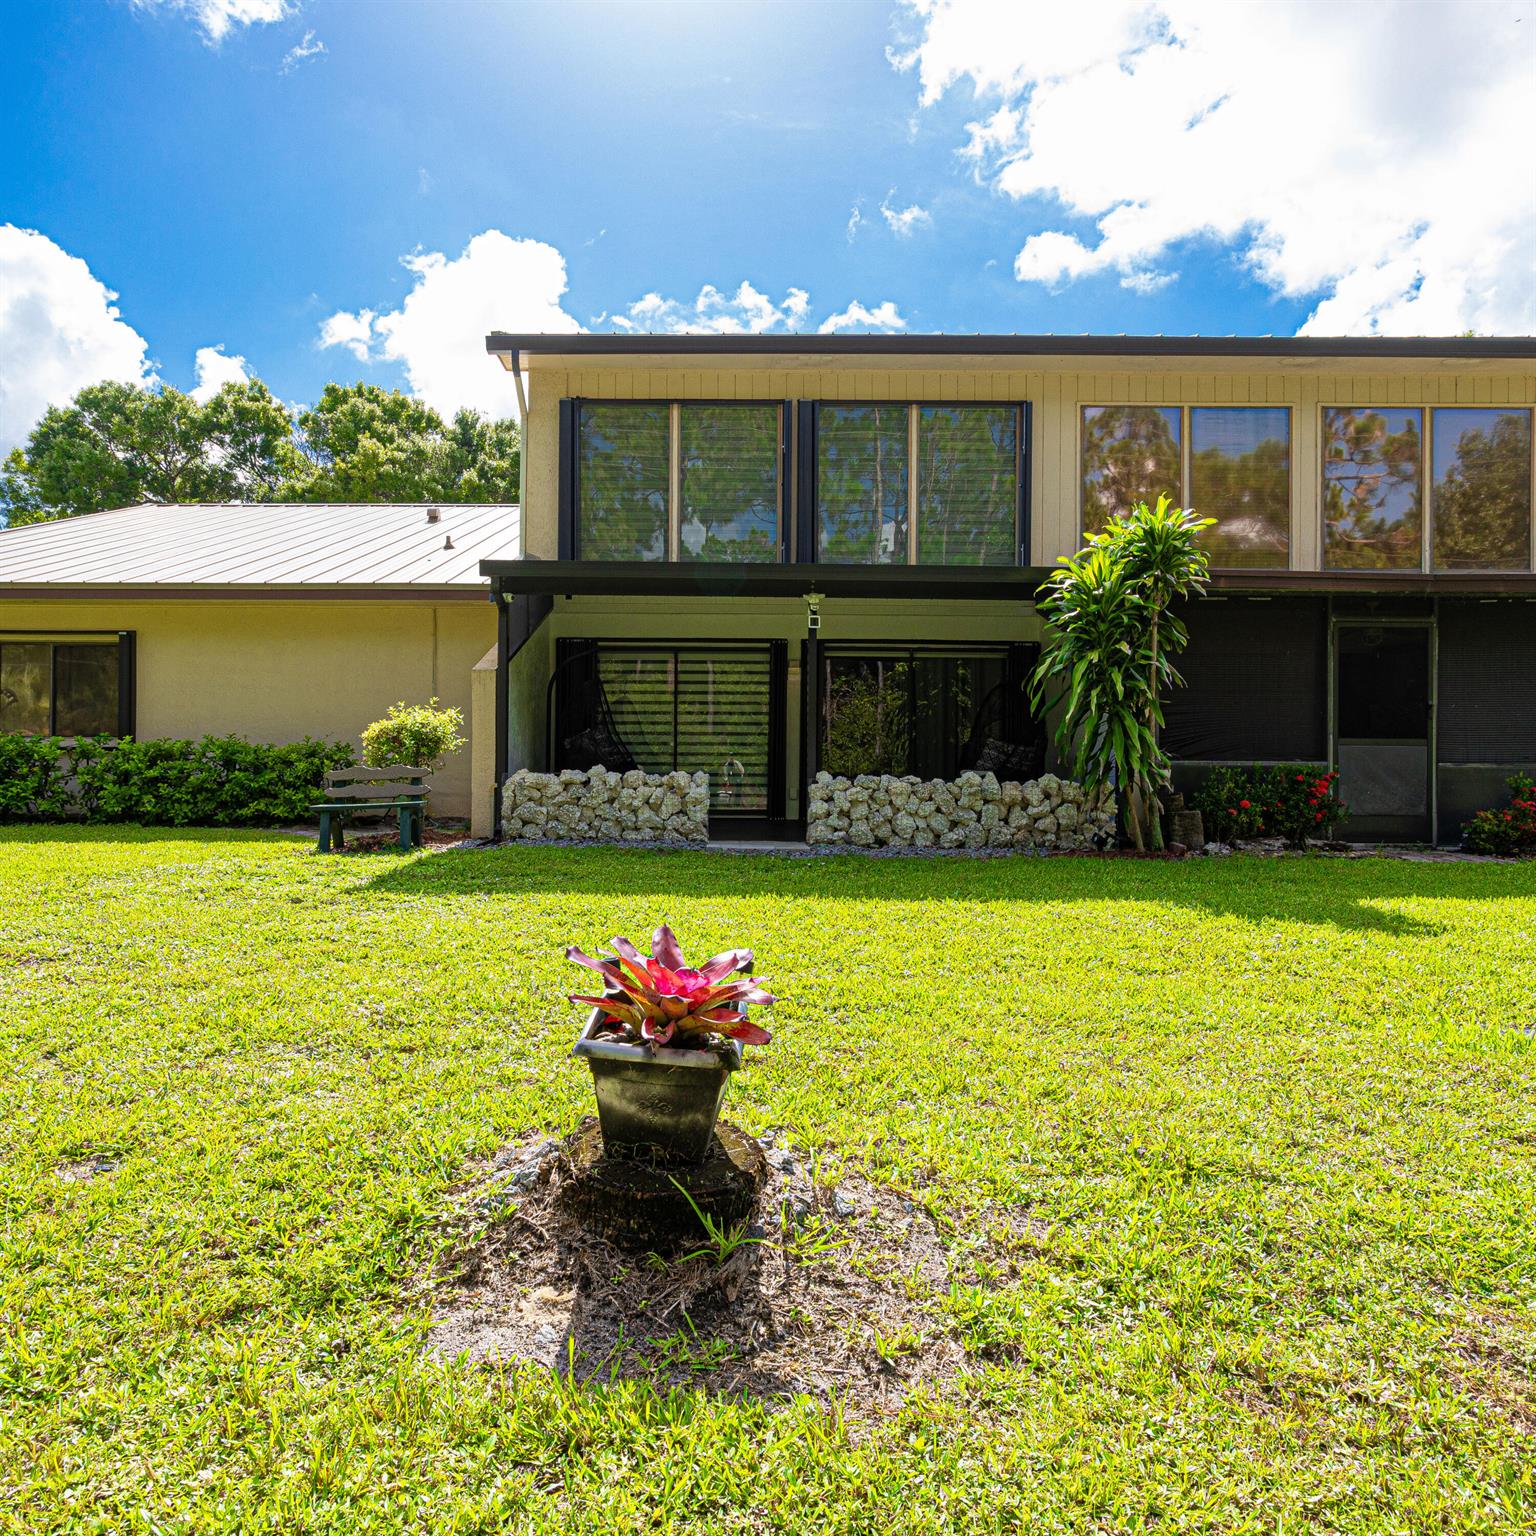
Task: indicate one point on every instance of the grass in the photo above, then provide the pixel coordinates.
(1258, 1139)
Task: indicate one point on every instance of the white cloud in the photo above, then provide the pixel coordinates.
(903, 221)
(216, 18)
(59, 331)
(438, 333)
(1380, 159)
(349, 330)
(743, 313)
(309, 47)
(750, 313)
(883, 317)
(855, 218)
(215, 369)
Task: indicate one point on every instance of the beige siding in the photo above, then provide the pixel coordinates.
(278, 671)
(1058, 388)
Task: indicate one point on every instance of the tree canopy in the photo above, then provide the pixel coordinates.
(117, 444)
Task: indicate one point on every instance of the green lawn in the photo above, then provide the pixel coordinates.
(1272, 1124)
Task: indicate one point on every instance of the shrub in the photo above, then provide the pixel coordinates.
(33, 783)
(413, 735)
(1292, 800)
(1508, 831)
(220, 781)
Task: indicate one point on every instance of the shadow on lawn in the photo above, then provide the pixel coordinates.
(1320, 891)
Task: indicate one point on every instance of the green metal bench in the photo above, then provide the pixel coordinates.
(348, 791)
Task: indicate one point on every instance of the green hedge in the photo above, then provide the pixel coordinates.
(220, 781)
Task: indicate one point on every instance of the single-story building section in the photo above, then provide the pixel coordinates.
(270, 621)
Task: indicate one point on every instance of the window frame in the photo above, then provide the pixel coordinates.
(569, 535)
(1426, 565)
(1186, 459)
(807, 448)
(126, 641)
(1019, 660)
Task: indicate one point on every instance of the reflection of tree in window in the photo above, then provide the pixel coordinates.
(623, 477)
(730, 482)
(967, 485)
(1482, 490)
(861, 479)
(1240, 474)
(903, 713)
(1130, 455)
(1372, 496)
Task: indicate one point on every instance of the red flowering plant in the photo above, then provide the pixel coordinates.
(659, 999)
(1509, 831)
(1292, 800)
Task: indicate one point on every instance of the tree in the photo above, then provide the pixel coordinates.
(1109, 651)
(364, 443)
(116, 444)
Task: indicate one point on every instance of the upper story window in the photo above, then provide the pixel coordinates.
(1232, 463)
(918, 484)
(1455, 491)
(63, 687)
(678, 481)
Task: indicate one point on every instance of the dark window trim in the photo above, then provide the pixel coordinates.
(569, 493)
(1186, 459)
(810, 490)
(1427, 409)
(127, 668)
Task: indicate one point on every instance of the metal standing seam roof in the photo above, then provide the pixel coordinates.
(353, 545)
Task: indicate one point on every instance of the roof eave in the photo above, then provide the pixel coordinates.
(518, 345)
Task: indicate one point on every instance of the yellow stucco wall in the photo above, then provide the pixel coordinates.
(277, 671)
(1057, 387)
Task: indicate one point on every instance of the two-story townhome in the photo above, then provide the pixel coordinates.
(765, 556)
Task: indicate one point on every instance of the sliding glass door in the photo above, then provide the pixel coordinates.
(716, 709)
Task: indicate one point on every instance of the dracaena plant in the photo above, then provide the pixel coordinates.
(659, 999)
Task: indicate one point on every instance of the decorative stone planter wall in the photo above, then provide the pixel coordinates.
(604, 807)
(973, 811)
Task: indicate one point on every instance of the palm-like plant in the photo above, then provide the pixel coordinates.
(1109, 649)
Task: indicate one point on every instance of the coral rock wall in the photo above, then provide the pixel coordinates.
(600, 806)
(973, 811)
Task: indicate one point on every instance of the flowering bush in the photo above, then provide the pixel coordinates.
(659, 999)
(1508, 831)
(1293, 800)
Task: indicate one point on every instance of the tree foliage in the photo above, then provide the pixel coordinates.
(1109, 648)
(117, 444)
(364, 443)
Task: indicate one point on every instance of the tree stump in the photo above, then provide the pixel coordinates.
(640, 1206)
(1188, 828)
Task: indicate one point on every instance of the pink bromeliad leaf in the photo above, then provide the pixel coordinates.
(656, 1034)
(720, 966)
(602, 967)
(750, 1034)
(665, 948)
(632, 960)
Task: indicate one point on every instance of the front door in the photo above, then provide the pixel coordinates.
(1384, 698)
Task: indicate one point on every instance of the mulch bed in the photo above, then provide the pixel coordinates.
(835, 1293)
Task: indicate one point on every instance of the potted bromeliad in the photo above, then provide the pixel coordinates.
(661, 1042)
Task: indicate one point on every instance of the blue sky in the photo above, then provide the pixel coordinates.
(238, 190)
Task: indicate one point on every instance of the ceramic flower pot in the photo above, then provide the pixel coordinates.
(657, 1106)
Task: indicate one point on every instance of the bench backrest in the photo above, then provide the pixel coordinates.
(394, 782)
